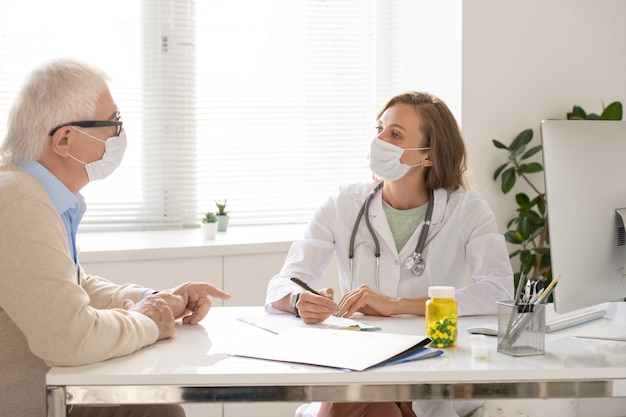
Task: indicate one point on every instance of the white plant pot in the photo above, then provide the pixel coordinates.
(209, 230)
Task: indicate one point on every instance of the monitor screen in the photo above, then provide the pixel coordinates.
(585, 179)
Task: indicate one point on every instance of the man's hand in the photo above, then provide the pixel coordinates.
(159, 309)
(195, 300)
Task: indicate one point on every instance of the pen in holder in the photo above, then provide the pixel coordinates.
(521, 328)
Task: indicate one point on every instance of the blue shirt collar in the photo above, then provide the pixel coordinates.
(61, 196)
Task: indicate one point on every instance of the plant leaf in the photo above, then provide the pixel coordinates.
(541, 205)
(513, 237)
(508, 179)
(531, 152)
(522, 199)
(526, 258)
(499, 170)
(523, 227)
(612, 112)
(535, 233)
(522, 139)
(517, 152)
(577, 113)
(499, 144)
(531, 168)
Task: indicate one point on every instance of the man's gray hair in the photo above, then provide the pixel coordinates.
(59, 91)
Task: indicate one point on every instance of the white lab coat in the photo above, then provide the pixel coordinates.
(463, 250)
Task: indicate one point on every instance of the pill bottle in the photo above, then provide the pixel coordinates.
(441, 317)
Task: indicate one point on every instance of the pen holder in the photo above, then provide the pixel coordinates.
(521, 328)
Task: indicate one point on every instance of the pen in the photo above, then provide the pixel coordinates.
(304, 285)
(547, 291)
(520, 283)
(536, 297)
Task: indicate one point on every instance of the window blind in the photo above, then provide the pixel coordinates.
(268, 104)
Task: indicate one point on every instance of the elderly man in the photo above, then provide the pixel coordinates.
(65, 130)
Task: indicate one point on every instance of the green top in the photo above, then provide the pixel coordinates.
(403, 222)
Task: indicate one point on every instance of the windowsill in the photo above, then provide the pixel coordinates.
(144, 245)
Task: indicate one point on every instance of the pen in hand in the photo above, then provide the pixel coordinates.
(304, 285)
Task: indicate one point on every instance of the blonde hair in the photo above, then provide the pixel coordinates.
(442, 135)
(57, 92)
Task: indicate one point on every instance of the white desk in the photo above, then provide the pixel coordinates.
(193, 367)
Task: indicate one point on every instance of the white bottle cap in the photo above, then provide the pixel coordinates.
(441, 292)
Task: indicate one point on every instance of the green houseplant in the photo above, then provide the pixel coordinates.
(222, 215)
(528, 230)
(209, 225)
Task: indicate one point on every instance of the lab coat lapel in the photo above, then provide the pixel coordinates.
(388, 279)
(380, 225)
(441, 202)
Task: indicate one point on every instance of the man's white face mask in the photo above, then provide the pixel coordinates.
(114, 148)
(385, 160)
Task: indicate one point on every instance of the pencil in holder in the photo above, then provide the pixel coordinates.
(521, 328)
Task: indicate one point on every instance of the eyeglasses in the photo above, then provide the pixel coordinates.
(94, 123)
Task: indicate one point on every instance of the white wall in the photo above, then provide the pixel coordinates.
(504, 65)
(524, 61)
(431, 59)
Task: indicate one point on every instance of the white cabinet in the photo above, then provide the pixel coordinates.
(246, 276)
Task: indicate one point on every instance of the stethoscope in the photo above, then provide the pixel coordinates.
(415, 263)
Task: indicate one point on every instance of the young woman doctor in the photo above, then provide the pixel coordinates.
(416, 226)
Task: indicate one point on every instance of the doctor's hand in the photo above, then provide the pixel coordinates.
(316, 308)
(367, 301)
(195, 300)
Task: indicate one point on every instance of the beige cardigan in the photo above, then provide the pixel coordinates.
(46, 318)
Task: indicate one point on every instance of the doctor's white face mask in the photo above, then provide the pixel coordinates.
(385, 160)
(114, 148)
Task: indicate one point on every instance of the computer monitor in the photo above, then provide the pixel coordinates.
(585, 180)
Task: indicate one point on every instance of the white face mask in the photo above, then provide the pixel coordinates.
(385, 160)
(114, 148)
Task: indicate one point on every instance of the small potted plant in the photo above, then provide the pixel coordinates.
(209, 225)
(222, 216)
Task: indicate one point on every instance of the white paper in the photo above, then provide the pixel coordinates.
(278, 323)
(353, 350)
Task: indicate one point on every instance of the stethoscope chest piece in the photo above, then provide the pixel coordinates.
(415, 264)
